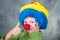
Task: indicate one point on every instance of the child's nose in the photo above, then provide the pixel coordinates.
(27, 26)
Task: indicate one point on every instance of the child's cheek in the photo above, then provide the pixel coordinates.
(35, 25)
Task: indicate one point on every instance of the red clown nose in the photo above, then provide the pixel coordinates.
(26, 26)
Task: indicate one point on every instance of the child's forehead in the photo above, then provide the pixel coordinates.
(29, 18)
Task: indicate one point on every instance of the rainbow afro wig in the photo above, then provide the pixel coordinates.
(37, 11)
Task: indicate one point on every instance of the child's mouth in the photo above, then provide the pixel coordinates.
(31, 28)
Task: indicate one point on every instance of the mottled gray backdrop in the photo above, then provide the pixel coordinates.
(9, 11)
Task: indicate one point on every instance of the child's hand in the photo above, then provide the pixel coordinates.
(13, 32)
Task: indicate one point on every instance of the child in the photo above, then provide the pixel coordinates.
(32, 18)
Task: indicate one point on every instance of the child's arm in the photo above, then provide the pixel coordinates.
(13, 32)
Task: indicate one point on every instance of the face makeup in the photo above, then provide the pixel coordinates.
(30, 24)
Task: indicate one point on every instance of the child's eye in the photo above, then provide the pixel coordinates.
(32, 22)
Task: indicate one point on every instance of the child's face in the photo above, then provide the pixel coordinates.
(33, 24)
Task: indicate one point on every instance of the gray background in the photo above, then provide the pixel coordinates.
(9, 11)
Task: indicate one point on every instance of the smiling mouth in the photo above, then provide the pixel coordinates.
(31, 28)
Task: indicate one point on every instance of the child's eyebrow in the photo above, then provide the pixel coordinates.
(32, 21)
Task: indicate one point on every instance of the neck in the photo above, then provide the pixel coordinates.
(37, 30)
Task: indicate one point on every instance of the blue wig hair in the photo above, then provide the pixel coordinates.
(40, 17)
